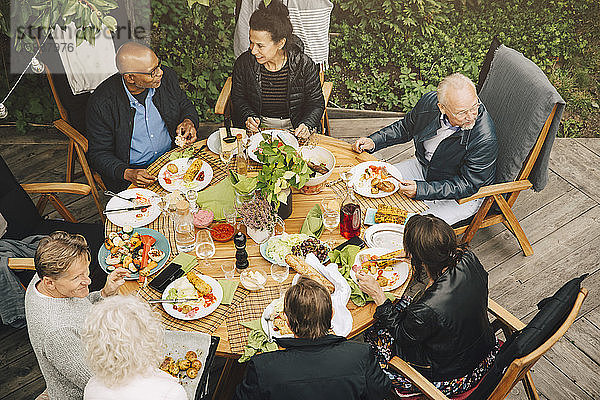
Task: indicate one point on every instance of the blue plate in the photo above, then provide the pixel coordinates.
(161, 244)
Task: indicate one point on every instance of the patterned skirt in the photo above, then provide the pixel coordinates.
(382, 342)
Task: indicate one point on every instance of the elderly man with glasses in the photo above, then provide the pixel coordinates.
(135, 116)
(455, 148)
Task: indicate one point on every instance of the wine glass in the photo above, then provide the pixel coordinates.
(230, 215)
(279, 274)
(228, 269)
(330, 215)
(205, 247)
(226, 155)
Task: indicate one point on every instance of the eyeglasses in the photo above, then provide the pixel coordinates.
(153, 72)
(464, 113)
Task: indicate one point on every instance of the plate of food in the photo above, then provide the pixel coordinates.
(184, 174)
(125, 248)
(386, 235)
(273, 321)
(205, 293)
(134, 218)
(389, 274)
(284, 136)
(375, 179)
(321, 162)
(278, 247)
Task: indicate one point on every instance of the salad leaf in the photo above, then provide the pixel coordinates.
(172, 295)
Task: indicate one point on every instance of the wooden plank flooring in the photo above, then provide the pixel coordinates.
(562, 222)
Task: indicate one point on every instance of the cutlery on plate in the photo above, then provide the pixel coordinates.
(152, 301)
(113, 194)
(126, 209)
(269, 334)
(229, 138)
(379, 260)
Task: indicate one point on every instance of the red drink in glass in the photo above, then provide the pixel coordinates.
(350, 220)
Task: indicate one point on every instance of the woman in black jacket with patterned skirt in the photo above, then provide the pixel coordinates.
(445, 333)
(274, 82)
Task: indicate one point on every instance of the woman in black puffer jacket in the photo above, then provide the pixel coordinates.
(445, 334)
(274, 82)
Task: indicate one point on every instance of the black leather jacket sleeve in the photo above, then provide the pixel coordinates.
(409, 327)
(478, 169)
(240, 88)
(315, 103)
(101, 152)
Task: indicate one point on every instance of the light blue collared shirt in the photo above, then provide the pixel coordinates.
(150, 138)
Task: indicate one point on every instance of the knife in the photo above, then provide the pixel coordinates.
(152, 301)
(126, 209)
(229, 138)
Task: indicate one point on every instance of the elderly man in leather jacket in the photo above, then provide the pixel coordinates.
(455, 148)
(135, 116)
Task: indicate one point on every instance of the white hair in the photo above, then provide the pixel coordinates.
(454, 82)
(122, 338)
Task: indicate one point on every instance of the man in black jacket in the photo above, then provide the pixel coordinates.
(455, 148)
(314, 365)
(134, 116)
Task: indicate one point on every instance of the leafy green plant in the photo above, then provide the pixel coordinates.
(282, 169)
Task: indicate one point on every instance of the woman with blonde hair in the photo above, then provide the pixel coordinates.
(123, 342)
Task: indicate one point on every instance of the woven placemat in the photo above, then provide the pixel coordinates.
(206, 324)
(248, 310)
(396, 200)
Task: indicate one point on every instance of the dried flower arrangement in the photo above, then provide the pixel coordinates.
(257, 214)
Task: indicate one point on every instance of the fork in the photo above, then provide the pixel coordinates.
(269, 335)
(113, 194)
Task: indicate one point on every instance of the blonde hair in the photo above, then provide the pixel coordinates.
(57, 252)
(456, 81)
(122, 337)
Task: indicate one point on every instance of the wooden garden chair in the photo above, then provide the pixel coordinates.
(223, 105)
(517, 371)
(77, 148)
(526, 137)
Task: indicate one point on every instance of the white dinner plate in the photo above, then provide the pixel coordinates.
(385, 235)
(397, 274)
(269, 324)
(136, 218)
(363, 186)
(171, 182)
(285, 136)
(217, 290)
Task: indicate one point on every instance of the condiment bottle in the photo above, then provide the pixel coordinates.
(241, 158)
(241, 255)
(185, 237)
(350, 215)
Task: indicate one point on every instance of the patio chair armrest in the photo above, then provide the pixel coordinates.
(504, 317)
(425, 386)
(21, 263)
(498, 188)
(42, 188)
(71, 133)
(224, 97)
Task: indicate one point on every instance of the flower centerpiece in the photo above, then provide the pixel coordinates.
(282, 169)
(259, 217)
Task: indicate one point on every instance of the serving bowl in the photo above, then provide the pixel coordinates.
(318, 155)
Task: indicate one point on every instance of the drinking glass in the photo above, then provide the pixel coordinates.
(191, 196)
(160, 202)
(230, 215)
(205, 247)
(280, 274)
(226, 156)
(228, 269)
(330, 215)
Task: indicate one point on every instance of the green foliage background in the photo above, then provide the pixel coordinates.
(386, 53)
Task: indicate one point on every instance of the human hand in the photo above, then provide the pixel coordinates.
(139, 177)
(408, 188)
(187, 130)
(369, 285)
(302, 132)
(252, 124)
(363, 143)
(114, 281)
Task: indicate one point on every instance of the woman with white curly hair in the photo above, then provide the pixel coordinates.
(123, 341)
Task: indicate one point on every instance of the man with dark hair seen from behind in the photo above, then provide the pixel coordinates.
(455, 148)
(135, 116)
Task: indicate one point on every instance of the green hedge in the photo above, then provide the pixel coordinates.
(387, 54)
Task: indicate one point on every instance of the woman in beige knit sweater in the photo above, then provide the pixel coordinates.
(57, 302)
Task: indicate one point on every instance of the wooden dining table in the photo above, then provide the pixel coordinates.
(301, 203)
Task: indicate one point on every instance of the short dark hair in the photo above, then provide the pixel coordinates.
(431, 243)
(308, 308)
(57, 251)
(275, 19)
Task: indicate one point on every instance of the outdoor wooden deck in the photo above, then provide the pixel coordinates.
(562, 223)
